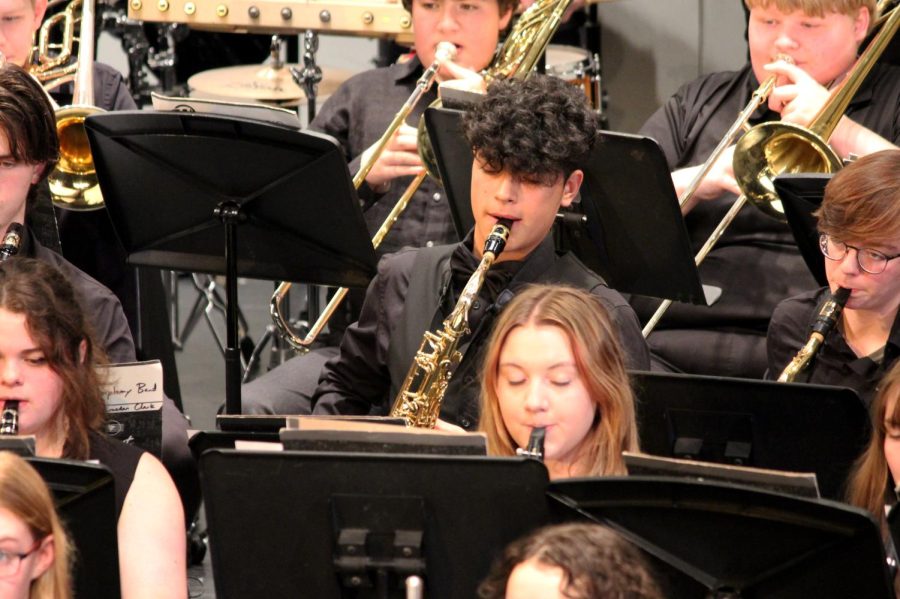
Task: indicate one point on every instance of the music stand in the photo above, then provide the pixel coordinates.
(330, 525)
(86, 503)
(734, 541)
(180, 186)
(627, 227)
(764, 424)
(801, 195)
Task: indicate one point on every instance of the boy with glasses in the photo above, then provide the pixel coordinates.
(860, 224)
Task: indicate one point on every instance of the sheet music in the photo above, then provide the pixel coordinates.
(246, 110)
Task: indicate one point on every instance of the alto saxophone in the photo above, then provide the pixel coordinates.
(420, 397)
(825, 321)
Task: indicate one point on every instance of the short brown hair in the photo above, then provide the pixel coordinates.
(596, 562)
(862, 201)
(818, 8)
(504, 5)
(598, 357)
(56, 322)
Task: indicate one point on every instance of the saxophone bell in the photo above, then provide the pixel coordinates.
(9, 418)
(535, 448)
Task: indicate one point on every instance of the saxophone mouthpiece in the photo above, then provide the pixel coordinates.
(831, 311)
(496, 241)
(444, 51)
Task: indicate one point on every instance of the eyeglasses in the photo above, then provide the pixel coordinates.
(9, 562)
(871, 261)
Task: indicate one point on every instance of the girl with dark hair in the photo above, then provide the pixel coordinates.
(49, 365)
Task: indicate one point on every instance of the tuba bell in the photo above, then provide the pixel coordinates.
(73, 183)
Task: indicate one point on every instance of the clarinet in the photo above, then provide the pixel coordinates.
(535, 449)
(9, 418)
(11, 241)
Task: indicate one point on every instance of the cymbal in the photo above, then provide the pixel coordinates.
(261, 83)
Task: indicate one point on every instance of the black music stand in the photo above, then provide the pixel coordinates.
(86, 503)
(801, 195)
(627, 227)
(179, 187)
(721, 540)
(331, 525)
(763, 424)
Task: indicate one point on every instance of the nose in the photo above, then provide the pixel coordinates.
(447, 22)
(10, 373)
(784, 40)
(507, 188)
(850, 262)
(536, 399)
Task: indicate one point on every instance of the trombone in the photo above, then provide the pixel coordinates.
(517, 57)
(73, 183)
(770, 149)
(445, 51)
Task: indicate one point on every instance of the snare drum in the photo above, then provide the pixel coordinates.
(576, 66)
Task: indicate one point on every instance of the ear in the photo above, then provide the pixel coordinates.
(38, 172)
(82, 351)
(505, 18)
(43, 557)
(571, 187)
(40, 7)
(861, 24)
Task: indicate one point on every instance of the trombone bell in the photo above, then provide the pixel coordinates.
(774, 148)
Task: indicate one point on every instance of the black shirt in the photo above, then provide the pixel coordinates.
(835, 363)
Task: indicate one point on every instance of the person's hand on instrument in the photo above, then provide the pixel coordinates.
(719, 180)
(796, 96)
(400, 158)
(459, 77)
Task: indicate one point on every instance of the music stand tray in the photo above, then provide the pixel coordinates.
(85, 500)
(331, 525)
(207, 193)
(741, 542)
(632, 232)
(763, 424)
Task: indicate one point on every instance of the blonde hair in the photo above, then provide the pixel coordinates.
(868, 482)
(598, 357)
(819, 8)
(24, 494)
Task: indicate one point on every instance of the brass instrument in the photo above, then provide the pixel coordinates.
(516, 58)
(9, 418)
(12, 240)
(73, 183)
(535, 448)
(760, 95)
(825, 321)
(771, 149)
(445, 51)
(419, 399)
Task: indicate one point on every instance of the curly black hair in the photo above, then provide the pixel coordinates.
(538, 129)
(595, 562)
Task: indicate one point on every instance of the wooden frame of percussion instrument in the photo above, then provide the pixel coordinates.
(369, 18)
